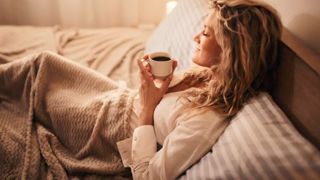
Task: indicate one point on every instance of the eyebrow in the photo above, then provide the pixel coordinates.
(207, 27)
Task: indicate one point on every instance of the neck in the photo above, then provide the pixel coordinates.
(185, 84)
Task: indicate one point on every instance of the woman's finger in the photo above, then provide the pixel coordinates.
(174, 65)
(144, 63)
(164, 86)
(139, 61)
(141, 64)
(146, 74)
(141, 77)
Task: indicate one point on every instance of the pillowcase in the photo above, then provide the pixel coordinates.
(175, 34)
(259, 143)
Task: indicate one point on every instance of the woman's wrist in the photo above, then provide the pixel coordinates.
(146, 117)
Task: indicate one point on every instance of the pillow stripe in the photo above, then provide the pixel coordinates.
(282, 128)
(238, 141)
(305, 147)
(276, 112)
(269, 133)
(206, 171)
(266, 145)
(260, 149)
(233, 158)
(215, 166)
(259, 143)
(292, 152)
(252, 166)
(222, 160)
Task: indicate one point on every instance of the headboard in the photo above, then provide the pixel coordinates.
(297, 87)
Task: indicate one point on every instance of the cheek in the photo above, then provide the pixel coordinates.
(208, 56)
(202, 58)
(209, 53)
(213, 52)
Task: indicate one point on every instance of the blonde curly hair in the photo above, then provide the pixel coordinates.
(247, 32)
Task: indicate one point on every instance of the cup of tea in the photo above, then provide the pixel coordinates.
(161, 64)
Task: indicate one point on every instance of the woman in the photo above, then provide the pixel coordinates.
(237, 51)
(56, 126)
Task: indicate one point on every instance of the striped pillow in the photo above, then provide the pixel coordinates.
(175, 33)
(259, 143)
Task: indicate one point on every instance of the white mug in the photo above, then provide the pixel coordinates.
(161, 64)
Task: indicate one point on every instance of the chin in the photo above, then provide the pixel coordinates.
(194, 61)
(196, 64)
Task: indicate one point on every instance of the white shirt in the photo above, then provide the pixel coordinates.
(184, 138)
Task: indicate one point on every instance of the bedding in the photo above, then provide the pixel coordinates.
(111, 52)
(60, 120)
(259, 143)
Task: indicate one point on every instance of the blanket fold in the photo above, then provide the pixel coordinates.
(60, 120)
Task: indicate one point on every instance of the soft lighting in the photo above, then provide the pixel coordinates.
(170, 5)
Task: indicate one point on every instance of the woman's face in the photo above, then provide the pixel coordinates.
(208, 51)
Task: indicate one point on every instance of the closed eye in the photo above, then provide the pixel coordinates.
(204, 30)
(204, 33)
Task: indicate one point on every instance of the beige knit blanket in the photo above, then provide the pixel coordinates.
(59, 120)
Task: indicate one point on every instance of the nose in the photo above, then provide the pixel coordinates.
(196, 38)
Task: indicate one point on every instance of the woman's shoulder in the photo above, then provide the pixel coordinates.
(201, 118)
(205, 122)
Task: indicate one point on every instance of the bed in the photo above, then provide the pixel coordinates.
(275, 136)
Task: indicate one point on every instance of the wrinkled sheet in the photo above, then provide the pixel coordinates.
(112, 51)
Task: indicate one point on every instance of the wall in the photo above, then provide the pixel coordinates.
(81, 13)
(302, 18)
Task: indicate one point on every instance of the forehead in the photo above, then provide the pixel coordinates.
(210, 20)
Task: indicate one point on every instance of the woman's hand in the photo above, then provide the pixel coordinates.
(150, 95)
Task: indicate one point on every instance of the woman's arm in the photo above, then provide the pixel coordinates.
(150, 95)
(184, 146)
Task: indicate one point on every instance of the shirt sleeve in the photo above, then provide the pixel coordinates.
(184, 146)
(144, 145)
(140, 148)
